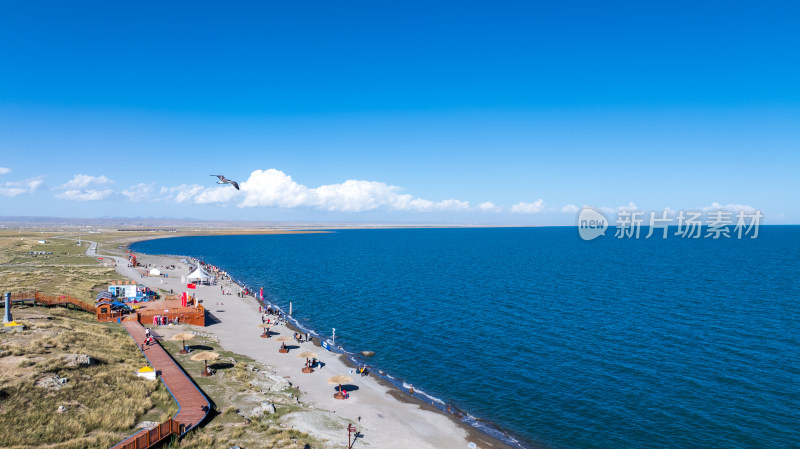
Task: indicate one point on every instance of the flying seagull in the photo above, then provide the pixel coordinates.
(224, 180)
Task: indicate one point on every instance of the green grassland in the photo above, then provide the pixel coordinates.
(68, 271)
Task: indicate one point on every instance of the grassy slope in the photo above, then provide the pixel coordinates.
(68, 271)
(105, 401)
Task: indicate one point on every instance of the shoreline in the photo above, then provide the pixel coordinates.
(390, 385)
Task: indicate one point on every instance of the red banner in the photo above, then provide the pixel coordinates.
(191, 286)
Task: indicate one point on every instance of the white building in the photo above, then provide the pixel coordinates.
(123, 291)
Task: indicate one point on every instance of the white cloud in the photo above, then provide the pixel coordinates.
(570, 208)
(15, 188)
(630, 207)
(77, 188)
(84, 181)
(730, 207)
(528, 208)
(274, 188)
(139, 192)
(4, 170)
(85, 194)
(489, 207)
(183, 193)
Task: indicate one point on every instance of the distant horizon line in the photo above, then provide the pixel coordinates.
(15, 221)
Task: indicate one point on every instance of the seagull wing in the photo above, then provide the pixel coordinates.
(235, 184)
(221, 178)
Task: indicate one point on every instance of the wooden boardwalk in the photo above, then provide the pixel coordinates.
(37, 298)
(193, 404)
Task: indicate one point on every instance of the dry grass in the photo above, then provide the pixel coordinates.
(68, 271)
(230, 390)
(104, 401)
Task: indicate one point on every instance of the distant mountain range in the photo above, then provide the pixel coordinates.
(167, 224)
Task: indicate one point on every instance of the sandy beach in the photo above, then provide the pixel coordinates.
(385, 416)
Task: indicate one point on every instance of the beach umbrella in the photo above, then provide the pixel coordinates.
(205, 356)
(339, 380)
(307, 355)
(183, 336)
(283, 339)
(266, 328)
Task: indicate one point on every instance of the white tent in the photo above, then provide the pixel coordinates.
(155, 272)
(198, 275)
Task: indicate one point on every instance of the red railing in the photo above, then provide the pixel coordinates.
(23, 296)
(185, 315)
(149, 438)
(47, 300)
(111, 316)
(63, 300)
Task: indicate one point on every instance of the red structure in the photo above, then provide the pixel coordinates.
(194, 405)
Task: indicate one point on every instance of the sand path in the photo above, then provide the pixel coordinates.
(385, 422)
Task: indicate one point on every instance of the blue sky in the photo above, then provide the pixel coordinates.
(473, 113)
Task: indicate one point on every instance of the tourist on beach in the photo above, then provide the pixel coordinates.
(308, 336)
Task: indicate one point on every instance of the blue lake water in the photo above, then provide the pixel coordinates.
(560, 342)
